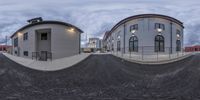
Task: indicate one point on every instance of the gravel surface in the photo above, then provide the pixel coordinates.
(102, 77)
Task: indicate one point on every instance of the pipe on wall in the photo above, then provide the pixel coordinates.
(171, 28)
(124, 37)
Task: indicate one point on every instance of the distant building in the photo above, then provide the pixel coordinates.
(46, 40)
(5, 47)
(192, 49)
(146, 33)
(94, 43)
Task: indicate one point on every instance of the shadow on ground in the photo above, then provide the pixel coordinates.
(102, 77)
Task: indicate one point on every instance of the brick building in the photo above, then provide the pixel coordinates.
(192, 48)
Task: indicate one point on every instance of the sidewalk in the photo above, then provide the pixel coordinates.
(153, 59)
(54, 65)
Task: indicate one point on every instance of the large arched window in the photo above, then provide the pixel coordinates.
(178, 45)
(159, 43)
(133, 44)
(112, 47)
(118, 46)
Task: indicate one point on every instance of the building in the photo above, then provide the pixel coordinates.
(146, 33)
(45, 40)
(94, 43)
(5, 47)
(192, 48)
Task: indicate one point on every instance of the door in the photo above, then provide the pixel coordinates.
(43, 56)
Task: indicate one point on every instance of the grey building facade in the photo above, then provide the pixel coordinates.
(46, 39)
(147, 33)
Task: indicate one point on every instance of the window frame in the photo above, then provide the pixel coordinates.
(25, 53)
(44, 38)
(118, 45)
(160, 25)
(178, 45)
(16, 42)
(25, 36)
(134, 41)
(134, 27)
(159, 45)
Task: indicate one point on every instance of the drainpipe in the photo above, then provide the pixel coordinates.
(171, 38)
(124, 36)
(79, 43)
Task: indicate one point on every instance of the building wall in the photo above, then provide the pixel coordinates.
(146, 34)
(63, 42)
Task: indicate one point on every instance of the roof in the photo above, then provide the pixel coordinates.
(47, 22)
(146, 16)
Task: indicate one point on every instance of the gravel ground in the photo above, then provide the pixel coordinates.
(102, 77)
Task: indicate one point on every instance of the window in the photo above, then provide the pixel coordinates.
(112, 47)
(178, 34)
(159, 26)
(133, 44)
(118, 46)
(178, 45)
(15, 42)
(25, 53)
(43, 36)
(159, 43)
(25, 37)
(15, 52)
(133, 27)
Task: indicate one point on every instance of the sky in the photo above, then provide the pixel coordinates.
(95, 17)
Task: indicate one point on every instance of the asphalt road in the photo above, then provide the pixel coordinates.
(102, 77)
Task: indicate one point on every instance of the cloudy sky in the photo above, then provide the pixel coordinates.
(94, 17)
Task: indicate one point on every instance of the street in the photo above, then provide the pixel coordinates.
(102, 77)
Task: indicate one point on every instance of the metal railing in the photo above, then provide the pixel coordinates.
(37, 55)
(149, 53)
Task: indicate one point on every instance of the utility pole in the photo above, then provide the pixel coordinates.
(6, 40)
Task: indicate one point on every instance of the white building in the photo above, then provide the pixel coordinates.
(94, 43)
(146, 33)
(46, 40)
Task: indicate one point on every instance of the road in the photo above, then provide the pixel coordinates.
(102, 77)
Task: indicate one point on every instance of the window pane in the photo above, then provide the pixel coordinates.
(43, 36)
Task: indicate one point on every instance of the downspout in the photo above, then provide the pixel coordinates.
(124, 37)
(79, 43)
(182, 42)
(171, 38)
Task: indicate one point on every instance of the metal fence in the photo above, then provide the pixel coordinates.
(149, 53)
(37, 56)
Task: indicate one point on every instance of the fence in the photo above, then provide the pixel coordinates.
(149, 53)
(38, 56)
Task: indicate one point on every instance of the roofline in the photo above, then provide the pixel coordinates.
(146, 16)
(46, 22)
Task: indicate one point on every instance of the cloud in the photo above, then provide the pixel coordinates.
(95, 17)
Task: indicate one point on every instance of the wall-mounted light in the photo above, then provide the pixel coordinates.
(159, 30)
(19, 34)
(133, 31)
(71, 30)
(118, 36)
(178, 35)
